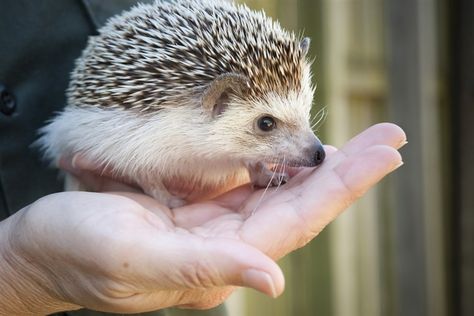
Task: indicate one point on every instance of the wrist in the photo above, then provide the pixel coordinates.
(26, 288)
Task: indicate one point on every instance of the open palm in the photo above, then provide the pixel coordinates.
(193, 256)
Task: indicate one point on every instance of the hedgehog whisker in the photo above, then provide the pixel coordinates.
(281, 171)
(315, 116)
(322, 114)
(264, 192)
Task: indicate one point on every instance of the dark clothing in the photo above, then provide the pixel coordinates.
(39, 42)
(38, 47)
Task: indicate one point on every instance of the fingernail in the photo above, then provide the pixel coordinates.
(402, 143)
(259, 280)
(398, 165)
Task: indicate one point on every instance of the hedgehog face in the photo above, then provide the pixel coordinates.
(274, 129)
(282, 132)
(272, 126)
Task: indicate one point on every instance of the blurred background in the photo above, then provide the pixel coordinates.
(406, 248)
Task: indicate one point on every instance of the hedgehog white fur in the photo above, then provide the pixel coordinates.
(197, 93)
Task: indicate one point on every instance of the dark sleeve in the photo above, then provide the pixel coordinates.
(39, 42)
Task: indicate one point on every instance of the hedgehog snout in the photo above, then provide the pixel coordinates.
(314, 154)
(319, 154)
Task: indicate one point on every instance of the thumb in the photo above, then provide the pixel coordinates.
(244, 265)
(198, 262)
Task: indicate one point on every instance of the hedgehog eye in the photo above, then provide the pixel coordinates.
(266, 123)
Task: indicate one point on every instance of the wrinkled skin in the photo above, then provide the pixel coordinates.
(124, 252)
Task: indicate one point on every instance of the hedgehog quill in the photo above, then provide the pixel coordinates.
(200, 92)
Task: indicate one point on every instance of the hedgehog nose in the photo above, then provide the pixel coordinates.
(319, 155)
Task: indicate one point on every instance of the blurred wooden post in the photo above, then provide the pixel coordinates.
(418, 196)
(355, 98)
(343, 251)
(384, 256)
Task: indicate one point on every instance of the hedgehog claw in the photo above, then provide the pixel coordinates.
(162, 195)
(175, 202)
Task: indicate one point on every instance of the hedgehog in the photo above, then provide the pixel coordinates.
(198, 93)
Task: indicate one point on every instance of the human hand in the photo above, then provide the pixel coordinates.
(289, 216)
(285, 218)
(107, 252)
(110, 253)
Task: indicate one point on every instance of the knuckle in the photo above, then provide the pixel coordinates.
(306, 234)
(346, 195)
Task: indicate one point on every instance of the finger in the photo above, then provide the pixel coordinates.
(293, 217)
(305, 172)
(180, 261)
(380, 134)
(329, 149)
(345, 184)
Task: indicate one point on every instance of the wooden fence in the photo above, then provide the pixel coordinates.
(374, 61)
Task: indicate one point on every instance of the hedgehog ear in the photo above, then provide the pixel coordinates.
(216, 96)
(304, 45)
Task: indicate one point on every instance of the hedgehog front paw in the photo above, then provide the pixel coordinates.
(170, 200)
(175, 202)
(162, 195)
(261, 176)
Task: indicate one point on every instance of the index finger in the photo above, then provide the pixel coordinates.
(379, 134)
